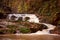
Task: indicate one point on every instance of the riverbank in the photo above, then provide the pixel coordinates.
(29, 37)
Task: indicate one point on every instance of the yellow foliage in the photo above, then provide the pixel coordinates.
(26, 6)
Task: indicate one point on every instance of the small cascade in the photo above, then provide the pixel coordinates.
(33, 18)
(43, 32)
(46, 31)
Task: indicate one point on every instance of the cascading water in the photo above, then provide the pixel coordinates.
(46, 31)
(35, 20)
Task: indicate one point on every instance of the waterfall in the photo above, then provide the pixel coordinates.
(33, 18)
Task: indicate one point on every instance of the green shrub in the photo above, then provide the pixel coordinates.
(11, 26)
(11, 31)
(24, 30)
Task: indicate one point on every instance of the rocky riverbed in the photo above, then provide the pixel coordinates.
(29, 37)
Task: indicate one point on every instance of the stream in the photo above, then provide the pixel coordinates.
(44, 34)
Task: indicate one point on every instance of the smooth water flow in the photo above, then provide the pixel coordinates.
(46, 31)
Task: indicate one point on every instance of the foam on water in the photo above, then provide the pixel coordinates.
(33, 17)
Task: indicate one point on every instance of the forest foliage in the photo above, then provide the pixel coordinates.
(47, 8)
